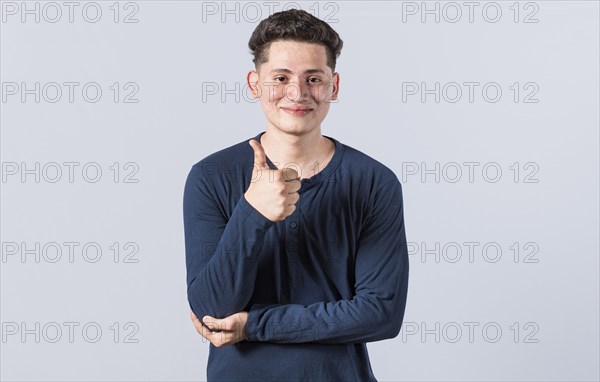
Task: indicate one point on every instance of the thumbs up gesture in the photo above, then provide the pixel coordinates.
(274, 193)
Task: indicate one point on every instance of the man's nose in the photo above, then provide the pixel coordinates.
(297, 91)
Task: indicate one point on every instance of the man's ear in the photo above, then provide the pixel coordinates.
(252, 81)
(336, 86)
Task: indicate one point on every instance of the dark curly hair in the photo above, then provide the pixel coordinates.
(296, 25)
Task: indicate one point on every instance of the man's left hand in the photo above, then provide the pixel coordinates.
(226, 331)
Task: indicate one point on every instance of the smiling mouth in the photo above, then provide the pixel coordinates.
(297, 111)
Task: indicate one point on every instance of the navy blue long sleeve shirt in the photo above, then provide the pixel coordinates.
(318, 285)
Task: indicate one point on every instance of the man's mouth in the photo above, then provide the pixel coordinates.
(297, 111)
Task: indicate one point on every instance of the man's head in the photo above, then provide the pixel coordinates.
(296, 25)
(294, 55)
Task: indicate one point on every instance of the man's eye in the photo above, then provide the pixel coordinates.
(314, 80)
(280, 78)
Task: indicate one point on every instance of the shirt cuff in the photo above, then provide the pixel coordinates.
(254, 314)
(253, 213)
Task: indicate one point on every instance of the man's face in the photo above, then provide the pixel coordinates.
(295, 86)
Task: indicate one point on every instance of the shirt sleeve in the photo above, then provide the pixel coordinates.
(221, 254)
(377, 309)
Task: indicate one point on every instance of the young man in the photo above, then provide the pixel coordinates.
(295, 243)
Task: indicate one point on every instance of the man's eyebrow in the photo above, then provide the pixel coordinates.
(308, 71)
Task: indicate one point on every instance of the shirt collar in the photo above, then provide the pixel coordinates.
(324, 173)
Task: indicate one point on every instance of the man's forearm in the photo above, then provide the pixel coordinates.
(222, 262)
(365, 318)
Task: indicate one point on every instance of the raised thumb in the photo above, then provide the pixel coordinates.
(260, 158)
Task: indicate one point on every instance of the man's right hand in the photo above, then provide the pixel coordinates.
(274, 193)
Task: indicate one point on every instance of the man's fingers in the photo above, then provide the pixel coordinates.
(221, 332)
(215, 325)
(209, 321)
(200, 328)
(294, 199)
(260, 158)
(293, 186)
(215, 333)
(226, 324)
(226, 338)
(212, 323)
(290, 174)
(223, 338)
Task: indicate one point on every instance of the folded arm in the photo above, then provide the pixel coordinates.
(221, 254)
(377, 309)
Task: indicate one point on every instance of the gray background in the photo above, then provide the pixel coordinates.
(521, 301)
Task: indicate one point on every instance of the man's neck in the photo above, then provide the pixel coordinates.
(311, 152)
